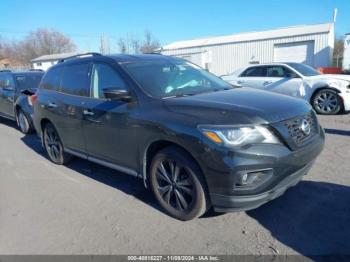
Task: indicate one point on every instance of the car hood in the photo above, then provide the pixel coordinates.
(238, 106)
(329, 77)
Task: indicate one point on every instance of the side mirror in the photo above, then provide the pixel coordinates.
(28, 92)
(8, 88)
(117, 94)
(292, 75)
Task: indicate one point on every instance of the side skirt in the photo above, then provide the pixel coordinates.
(103, 163)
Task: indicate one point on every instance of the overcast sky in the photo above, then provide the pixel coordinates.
(85, 21)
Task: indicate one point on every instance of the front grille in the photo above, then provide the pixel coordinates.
(295, 130)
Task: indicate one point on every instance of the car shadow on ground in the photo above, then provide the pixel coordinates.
(337, 132)
(313, 218)
(128, 184)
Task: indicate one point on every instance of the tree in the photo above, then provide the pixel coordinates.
(150, 44)
(122, 46)
(338, 47)
(37, 43)
(338, 50)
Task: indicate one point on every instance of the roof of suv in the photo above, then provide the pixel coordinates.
(122, 58)
(28, 72)
(119, 58)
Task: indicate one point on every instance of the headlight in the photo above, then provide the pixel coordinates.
(239, 136)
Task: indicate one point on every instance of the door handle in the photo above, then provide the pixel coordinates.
(88, 113)
(240, 82)
(267, 83)
(51, 105)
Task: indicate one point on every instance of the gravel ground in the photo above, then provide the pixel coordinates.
(84, 208)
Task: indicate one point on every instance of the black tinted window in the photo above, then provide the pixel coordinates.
(51, 80)
(75, 80)
(257, 71)
(27, 82)
(104, 76)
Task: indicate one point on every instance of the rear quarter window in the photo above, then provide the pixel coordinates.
(51, 80)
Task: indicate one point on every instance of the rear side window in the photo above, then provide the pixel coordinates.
(256, 71)
(28, 82)
(75, 80)
(51, 80)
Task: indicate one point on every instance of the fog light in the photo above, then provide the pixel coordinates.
(252, 179)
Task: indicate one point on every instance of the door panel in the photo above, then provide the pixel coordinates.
(281, 80)
(253, 77)
(7, 95)
(67, 105)
(107, 124)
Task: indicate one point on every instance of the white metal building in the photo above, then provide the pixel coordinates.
(346, 56)
(309, 44)
(46, 61)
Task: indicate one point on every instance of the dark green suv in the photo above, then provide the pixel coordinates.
(196, 141)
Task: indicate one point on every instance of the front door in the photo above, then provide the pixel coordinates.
(108, 125)
(282, 80)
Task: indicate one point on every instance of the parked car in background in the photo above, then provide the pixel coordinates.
(328, 94)
(16, 95)
(195, 140)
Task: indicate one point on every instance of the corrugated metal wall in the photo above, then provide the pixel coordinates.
(227, 58)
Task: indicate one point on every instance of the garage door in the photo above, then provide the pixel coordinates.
(300, 52)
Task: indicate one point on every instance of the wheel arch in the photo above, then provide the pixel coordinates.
(318, 89)
(153, 148)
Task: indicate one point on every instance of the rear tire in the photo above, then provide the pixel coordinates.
(23, 122)
(54, 146)
(178, 184)
(327, 102)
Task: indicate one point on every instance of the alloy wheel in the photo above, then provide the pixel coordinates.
(326, 102)
(23, 122)
(53, 145)
(175, 185)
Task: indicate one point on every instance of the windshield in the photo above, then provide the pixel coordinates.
(28, 82)
(305, 70)
(176, 78)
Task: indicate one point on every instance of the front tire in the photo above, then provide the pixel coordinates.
(54, 146)
(178, 184)
(23, 122)
(327, 102)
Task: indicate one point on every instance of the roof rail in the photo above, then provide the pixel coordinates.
(152, 53)
(79, 55)
(36, 70)
(5, 70)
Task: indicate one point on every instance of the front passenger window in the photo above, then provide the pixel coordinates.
(105, 76)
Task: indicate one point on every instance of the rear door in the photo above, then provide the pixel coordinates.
(282, 80)
(254, 77)
(69, 104)
(107, 123)
(7, 95)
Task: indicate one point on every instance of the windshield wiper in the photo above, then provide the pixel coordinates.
(180, 95)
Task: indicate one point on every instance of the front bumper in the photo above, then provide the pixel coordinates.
(346, 100)
(242, 203)
(288, 169)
